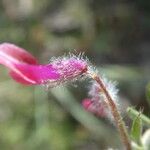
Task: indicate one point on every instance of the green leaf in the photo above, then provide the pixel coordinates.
(136, 129)
(133, 113)
(148, 93)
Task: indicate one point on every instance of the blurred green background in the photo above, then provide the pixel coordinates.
(115, 36)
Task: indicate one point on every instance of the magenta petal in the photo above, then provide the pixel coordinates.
(34, 74)
(10, 55)
(13, 53)
(58, 71)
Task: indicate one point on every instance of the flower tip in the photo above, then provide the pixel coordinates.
(86, 103)
(12, 52)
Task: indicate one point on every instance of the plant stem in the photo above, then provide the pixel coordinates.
(117, 117)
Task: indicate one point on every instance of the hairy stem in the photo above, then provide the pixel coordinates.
(117, 117)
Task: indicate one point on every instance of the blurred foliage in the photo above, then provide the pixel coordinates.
(136, 129)
(114, 35)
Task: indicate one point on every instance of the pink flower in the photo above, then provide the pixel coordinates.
(24, 68)
(97, 103)
(96, 107)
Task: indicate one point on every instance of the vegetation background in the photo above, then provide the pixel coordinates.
(115, 36)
